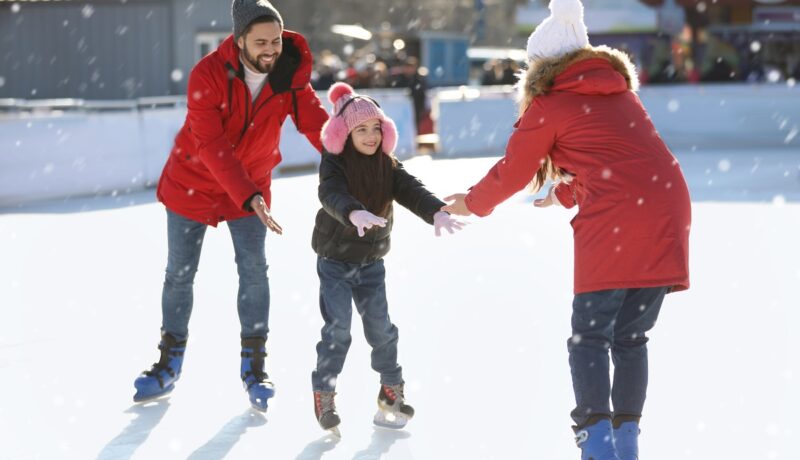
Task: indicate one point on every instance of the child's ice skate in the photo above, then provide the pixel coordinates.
(393, 412)
(325, 411)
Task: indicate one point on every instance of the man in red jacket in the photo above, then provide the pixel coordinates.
(581, 121)
(220, 169)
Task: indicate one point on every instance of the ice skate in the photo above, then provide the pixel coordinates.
(325, 411)
(160, 379)
(393, 412)
(254, 378)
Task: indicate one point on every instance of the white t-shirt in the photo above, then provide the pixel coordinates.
(255, 80)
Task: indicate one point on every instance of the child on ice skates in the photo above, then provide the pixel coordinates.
(582, 122)
(359, 179)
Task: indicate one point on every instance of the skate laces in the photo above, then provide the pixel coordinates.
(393, 392)
(324, 401)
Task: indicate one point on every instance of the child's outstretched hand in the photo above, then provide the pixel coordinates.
(549, 200)
(365, 220)
(443, 220)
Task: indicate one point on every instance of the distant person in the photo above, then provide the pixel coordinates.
(489, 76)
(360, 178)
(509, 70)
(582, 122)
(417, 84)
(220, 170)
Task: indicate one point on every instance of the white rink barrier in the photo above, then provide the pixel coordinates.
(688, 117)
(51, 152)
(72, 148)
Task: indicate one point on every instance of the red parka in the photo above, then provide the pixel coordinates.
(632, 225)
(229, 144)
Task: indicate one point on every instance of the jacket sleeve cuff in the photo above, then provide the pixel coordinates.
(565, 195)
(246, 206)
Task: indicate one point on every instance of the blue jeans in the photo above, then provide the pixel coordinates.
(341, 284)
(615, 320)
(185, 241)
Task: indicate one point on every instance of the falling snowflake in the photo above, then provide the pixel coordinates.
(2, 82)
(791, 82)
(773, 76)
(701, 7)
(755, 46)
(779, 200)
(175, 445)
(724, 165)
(176, 75)
(15, 8)
(792, 134)
(673, 105)
(87, 11)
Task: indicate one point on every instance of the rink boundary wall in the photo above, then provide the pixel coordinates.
(59, 149)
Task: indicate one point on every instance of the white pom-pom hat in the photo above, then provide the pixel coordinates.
(562, 32)
(349, 111)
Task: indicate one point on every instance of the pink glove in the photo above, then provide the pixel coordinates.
(365, 220)
(443, 220)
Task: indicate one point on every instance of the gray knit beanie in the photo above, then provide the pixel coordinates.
(244, 12)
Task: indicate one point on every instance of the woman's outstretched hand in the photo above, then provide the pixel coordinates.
(458, 206)
(549, 199)
(443, 220)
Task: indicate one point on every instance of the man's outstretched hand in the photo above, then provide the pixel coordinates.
(261, 209)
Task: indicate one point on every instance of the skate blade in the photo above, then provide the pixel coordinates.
(391, 420)
(139, 398)
(262, 403)
(335, 432)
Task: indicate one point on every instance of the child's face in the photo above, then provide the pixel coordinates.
(367, 136)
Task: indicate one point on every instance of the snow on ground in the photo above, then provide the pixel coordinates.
(483, 318)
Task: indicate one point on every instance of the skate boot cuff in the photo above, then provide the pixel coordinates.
(619, 419)
(594, 418)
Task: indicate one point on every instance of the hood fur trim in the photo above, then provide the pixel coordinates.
(541, 75)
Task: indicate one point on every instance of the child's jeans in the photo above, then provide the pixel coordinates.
(341, 284)
(614, 320)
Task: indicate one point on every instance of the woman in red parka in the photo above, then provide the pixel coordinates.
(583, 126)
(220, 169)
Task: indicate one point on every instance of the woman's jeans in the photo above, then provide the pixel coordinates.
(185, 240)
(341, 284)
(613, 320)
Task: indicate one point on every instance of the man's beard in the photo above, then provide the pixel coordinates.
(265, 68)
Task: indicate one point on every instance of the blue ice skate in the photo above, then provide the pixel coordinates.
(626, 440)
(254, 378)
(160, 379)
(596, 441)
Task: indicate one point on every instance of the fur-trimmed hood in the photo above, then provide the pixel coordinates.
(540, 78)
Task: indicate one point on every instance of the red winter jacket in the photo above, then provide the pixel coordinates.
(632, 226)
(228, 146)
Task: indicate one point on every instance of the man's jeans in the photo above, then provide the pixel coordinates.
(185, 241)
(614, 319)
(342, 283)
